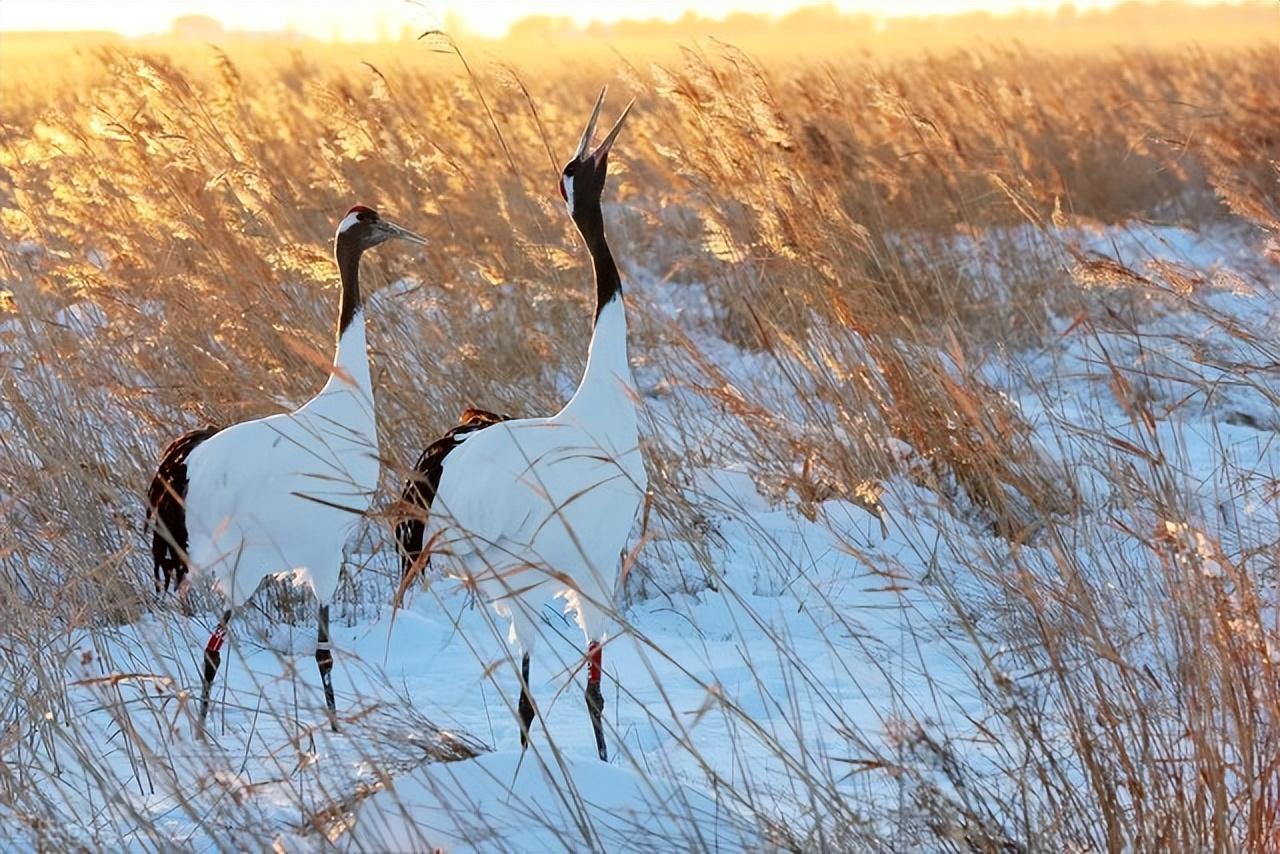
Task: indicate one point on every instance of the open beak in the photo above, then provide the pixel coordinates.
(403, 233)
(603, 148)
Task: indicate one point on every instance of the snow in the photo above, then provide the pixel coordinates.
(695, 688)
(542, 802)
(768, 648)
(443, 659)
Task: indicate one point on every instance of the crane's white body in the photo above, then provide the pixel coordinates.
(542, 507)
(284, 493)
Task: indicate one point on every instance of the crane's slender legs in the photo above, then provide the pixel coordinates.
(324, 659)
(212, 658)
(595, 699)
(526, 703)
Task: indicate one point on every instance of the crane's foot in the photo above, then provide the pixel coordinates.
(595, 698)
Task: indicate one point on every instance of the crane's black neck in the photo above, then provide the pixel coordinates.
(608, 282)
(347, 253)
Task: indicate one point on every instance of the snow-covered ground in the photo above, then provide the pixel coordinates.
(708, 697)
(816, 643)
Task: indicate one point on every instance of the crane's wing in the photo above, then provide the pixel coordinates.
(494, 493)
(167, 508)
(533, 490)
(257, 482)
(420, 488)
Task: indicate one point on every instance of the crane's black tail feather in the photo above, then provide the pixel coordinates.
(420, 489)
(167, 509)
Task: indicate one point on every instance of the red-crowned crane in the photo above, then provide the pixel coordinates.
(534, 508)
(279, 494)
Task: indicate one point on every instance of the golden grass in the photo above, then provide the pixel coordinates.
(182, 206)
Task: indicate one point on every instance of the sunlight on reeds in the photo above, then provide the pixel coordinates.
(165, 262)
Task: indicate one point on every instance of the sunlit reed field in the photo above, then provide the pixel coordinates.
(982, 343)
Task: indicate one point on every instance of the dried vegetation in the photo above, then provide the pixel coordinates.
(165, 261)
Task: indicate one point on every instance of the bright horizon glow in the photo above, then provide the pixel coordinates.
(381, 20)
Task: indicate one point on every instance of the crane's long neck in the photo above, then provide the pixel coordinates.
(606, 385)
(608, 282)
(351, 361)
(350, 303)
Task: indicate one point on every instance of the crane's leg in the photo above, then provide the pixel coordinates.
(595, 699)
(324, 659)
(526, 703)
(212, 658)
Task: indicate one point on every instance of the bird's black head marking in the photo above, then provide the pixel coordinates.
(359, 230)
(582, 179)
(363, 229)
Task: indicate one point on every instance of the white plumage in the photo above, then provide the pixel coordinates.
(284, 493)
(542, 507)
(281, 494)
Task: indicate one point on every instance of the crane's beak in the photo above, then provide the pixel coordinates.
(394, 230)
(603, 148)
(590, 130)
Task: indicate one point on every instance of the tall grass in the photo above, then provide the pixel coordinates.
(165, 262)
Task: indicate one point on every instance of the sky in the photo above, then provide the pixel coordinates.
(369, 20)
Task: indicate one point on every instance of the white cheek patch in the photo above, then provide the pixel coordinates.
(348, 221)
(568, 192)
